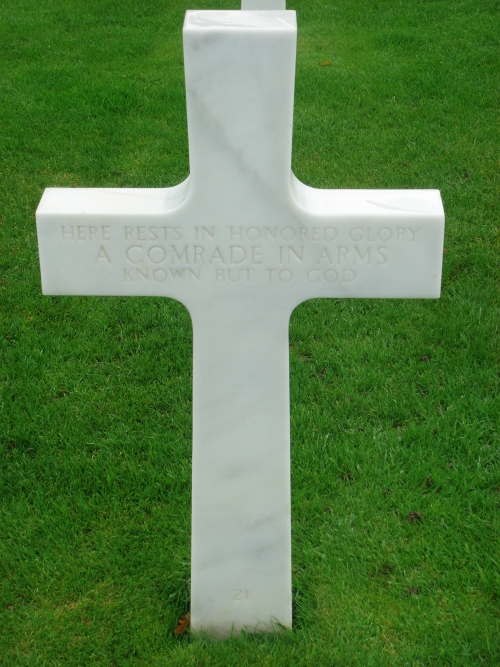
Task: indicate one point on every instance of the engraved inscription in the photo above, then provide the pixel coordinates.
(103, 255)
(138, 275)
(152, 233)
(300, 234)
(383, 234)
(240, 594)
(85, 233)
(244, 254)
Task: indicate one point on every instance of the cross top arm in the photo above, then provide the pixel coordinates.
(241, 223)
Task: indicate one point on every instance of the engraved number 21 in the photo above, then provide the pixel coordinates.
(240, 594)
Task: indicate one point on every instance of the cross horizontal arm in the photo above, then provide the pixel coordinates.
(332, 243)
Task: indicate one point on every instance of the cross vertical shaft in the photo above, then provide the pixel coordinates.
(241, 547)
(239, 87)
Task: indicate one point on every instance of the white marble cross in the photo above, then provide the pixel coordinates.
(241, 243)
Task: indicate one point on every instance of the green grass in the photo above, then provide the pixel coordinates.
(395, 404)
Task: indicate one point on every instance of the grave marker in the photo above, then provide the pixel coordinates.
(241, 243)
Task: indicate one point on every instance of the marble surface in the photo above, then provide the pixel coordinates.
(241, 243)
(263, 4)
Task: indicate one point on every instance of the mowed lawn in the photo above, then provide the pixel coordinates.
(394, 404)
